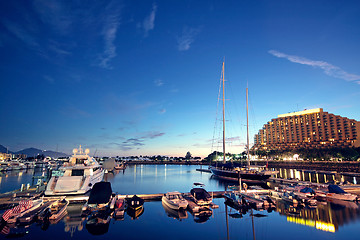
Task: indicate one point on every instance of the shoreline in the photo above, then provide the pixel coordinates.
(318, 165)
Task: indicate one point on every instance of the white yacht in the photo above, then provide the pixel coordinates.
(76, 177)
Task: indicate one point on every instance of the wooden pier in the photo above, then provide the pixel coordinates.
(158, 196)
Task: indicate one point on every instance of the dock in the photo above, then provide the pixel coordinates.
(158, 196)
(351, 188)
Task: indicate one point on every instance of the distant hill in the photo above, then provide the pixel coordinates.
(30, 152)
(33, 152)
(3, 149)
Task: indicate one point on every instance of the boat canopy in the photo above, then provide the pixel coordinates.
(199, 184)
(335, 189)
(100, 193)
(135, 200)
(307, 190)
(200, 193)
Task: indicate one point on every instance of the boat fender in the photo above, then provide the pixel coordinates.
(90, 184)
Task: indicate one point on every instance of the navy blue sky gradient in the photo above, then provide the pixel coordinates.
(142, 77)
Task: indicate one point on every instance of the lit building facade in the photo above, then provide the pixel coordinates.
(308, 129)
(5, 156)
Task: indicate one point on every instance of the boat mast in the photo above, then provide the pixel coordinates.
(223, 100)
(247, 128)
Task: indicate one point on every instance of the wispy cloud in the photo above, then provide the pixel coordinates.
(152, 134)
(55, 14)
(328, 68)
(149, 22)
(21, 33)
(49, 79)
(159, 82)
(187, 38)
(111, 25)
(57, 48)
(139, 141)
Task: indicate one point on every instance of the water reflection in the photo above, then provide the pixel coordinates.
(98, 223)
(157, 221)
(202, 216)
(327, 216)
(175, 214)
(74, 220)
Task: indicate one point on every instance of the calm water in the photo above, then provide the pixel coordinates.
(327, 221)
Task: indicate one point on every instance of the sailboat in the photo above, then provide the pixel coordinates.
(229, 171)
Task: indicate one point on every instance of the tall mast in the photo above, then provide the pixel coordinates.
(223, 100)
(247, 128)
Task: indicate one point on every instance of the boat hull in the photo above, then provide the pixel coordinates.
(174, 205)
(233, 175)
(53, 188)
(343, 197)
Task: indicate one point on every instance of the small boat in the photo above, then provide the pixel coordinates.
(58, 208)
(174, 200)
(4, 166)
(258, 200)
(16, 165)
(135, 202)
(235, 200)
(306, 195)
(285, 196)
(199, 195)
(24, 207)
(291, 198)
(335, 192)
(100, 197)
(135, 213)
(31, 215)
(60, 217)
(119, 209)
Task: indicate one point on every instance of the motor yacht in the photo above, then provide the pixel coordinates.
(76, 177)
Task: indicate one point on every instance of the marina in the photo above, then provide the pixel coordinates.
(145, 180)
(183, 146)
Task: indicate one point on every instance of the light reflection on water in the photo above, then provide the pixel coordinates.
(336, 220)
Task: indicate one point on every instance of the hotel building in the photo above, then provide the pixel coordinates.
(310, 129)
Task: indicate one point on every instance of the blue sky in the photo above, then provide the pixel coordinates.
(142, 77)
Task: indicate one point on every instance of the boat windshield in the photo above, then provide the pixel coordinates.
(80, 160)
(77, 172)
(57, 173)
(173, 196)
